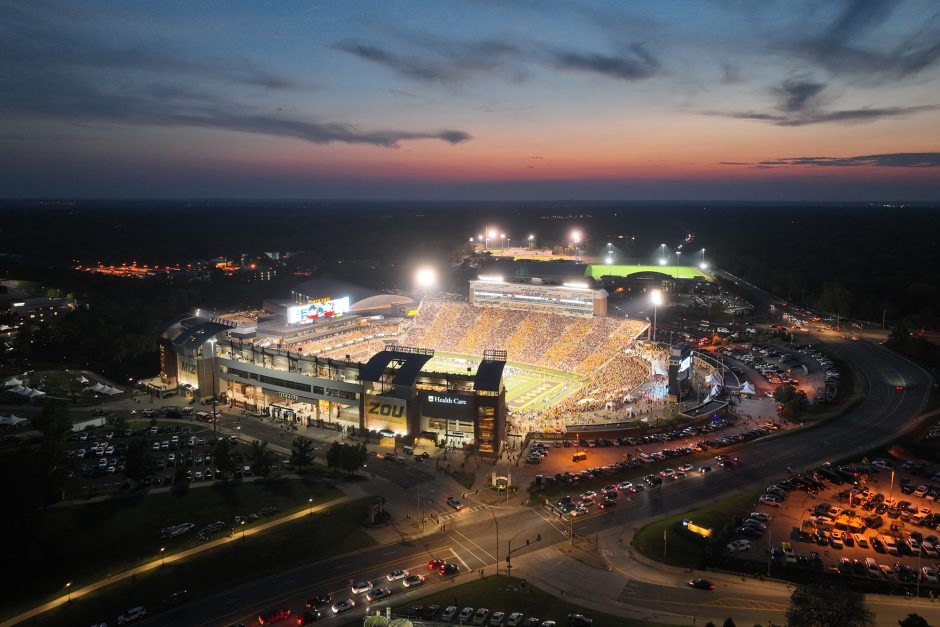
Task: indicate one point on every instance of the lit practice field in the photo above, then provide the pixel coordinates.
(528, 388)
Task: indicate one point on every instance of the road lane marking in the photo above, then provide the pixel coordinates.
(491, 556)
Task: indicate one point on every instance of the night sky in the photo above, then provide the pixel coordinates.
(471, 100)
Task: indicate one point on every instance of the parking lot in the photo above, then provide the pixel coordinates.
(555, 461)
(98, 456)
(876, 522)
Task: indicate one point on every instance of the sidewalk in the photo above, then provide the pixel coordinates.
(172, 557)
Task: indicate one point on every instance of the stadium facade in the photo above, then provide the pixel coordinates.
(262, 361)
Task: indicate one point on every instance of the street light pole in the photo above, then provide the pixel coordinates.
(310, 502)
(243, 530)
(496, 522)
(162, 556)
(215, 416)
(68, 591)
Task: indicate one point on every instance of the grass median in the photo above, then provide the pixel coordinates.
(334, 531)
(500, 593)
(683, 548)
(85, 543)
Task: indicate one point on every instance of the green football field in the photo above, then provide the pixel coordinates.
(530, 388)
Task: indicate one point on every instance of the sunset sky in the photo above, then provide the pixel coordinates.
(471, 100)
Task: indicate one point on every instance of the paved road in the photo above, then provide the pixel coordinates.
(470, 539)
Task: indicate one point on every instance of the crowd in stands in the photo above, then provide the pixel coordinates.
(578, 345)
(347, 342)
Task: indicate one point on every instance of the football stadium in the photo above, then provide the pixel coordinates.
(507, 358)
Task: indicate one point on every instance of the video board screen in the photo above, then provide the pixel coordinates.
(325, 308)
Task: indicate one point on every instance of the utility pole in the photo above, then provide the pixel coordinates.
(770, 548)
(496, 522)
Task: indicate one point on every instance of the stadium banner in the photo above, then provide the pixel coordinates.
(448, 406)
(386, 412)
(314, 310)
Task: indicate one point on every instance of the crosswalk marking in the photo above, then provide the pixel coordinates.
(463, 512)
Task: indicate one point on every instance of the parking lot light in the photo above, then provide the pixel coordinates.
(68, 590)
(162, 556)
(243, 529)
(310, 501)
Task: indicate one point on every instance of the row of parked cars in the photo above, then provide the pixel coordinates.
(483, 616)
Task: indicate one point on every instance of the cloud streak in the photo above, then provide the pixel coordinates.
(635, 64)
(850, 44)
(886, 160)
(52, 72)
(843, 116)
(438, 61)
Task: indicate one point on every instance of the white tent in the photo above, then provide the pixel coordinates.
(97, 388)
(110, 391)
(712, 379)
(17, 390)
(83, 380)
(12, 382)
(36, 393)
(11, 421)
(659, 368)
(747, 388)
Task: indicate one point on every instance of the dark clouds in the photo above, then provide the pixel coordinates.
(843, 116)
(635, 64)
(454, 62)
(438, 61)
(801, 102)
(797, 95)
(851, 45)
(889, 160)
(53, 69)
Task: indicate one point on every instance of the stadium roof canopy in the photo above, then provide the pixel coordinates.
(315, 289)
(489, 375)
(381, 301)
(198, 334)
(410, 365)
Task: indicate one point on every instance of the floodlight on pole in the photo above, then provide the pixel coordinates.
(68, 590)
(677, 265)
(426, 278)
(656, 297)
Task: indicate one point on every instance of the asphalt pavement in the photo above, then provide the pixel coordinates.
(471, 538)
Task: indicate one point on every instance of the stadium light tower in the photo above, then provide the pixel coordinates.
(656, 297)
(678, 252)
(490, 234)
(531, 240)
(662, 255)
(704, 264)
(576, 239)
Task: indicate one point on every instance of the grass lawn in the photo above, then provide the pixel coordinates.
(596, 270)
(684, 549)
(84, 543)
(305, 540)
(500, 593)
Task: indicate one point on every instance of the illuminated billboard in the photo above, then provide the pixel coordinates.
(314, 310)
(384, 412)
